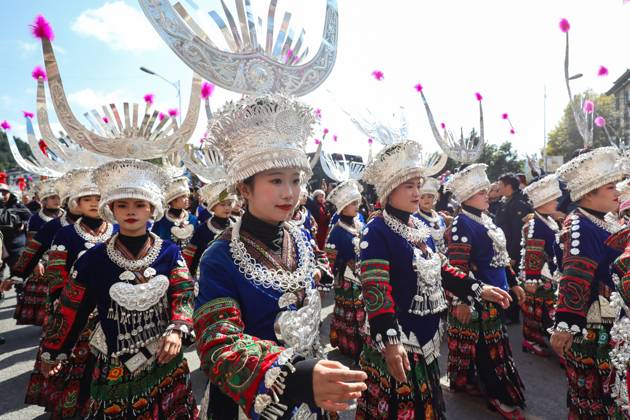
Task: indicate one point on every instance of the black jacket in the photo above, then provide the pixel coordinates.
(509, 217)
(13, 219)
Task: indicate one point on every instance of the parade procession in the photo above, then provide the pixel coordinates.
(362, 210)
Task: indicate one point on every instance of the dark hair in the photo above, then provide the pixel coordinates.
(511, 180)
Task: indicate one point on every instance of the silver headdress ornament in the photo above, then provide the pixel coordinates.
(393, 165)
(34, 166)
(47, 188)
(345, 193)
(462, 150)
(591, 170)
(249, 67)
(178, 187)
(204, 161)
(543, 191)
(340, 169)
(430, 186)
(78, 183)
(215, 192)
(469, 181)
(261, 133)
(130, 179)
(114, 135)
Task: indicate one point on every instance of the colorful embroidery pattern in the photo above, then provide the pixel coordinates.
(459, 255)
(377, 291)
(575, 284)
(181, 296)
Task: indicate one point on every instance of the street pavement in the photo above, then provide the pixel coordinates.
(545, 382)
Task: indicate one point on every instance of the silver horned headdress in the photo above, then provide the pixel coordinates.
(260, 133)
(130, 134)
(130, 179)
(252, 66)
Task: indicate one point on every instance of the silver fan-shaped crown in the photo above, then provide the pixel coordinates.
(340, 169)
(28, 165)
(127, 135)
(250, 67)
(204, 161)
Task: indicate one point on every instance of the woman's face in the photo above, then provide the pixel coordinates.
(223, 209)
(52, 203)
(180, 203)
(88, 206)
(604, 199)
(548, 208)
(273, 194)
(351, 209)
(132, 216)
(478, 201)
(406, 196)
(427, 201)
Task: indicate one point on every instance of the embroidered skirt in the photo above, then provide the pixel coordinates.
(64, 394)
(588, 371)
(420, 398)
(480, 354)
(162, 392)
(348, 317)
(538, 313)
(31, 302)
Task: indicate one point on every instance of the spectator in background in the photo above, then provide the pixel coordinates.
(522, 181)
(31, 202)
(322, 217)
(510, 216)
(494, 198)
(13, 219)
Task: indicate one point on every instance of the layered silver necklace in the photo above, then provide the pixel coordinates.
(47, 218)
(548, 221)
(419, 233)
(91, 240)
(216, 231)
(181, 220)
(501, 257)
(603, 224)
(354, 229)
(280, 279)
(134, 265)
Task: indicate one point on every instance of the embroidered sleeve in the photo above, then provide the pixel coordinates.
(234, 361)
(189, 253)
(620, 241)
(459, 284)
(533, 256)
(28, 260)
(331, 253)
(181, 296)
(66, 323)
(56, 271)
(459, 246)
(322, 263)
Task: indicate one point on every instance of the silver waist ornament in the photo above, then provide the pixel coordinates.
(299, 329)
(429, 298)
(251, 66)
(620, 352)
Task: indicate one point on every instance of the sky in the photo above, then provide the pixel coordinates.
(510, 51)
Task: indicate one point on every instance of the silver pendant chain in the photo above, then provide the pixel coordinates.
(280, 279)
(88, 237)
(134, 265)
(215, 230)
(354, 229)
(501, 257)
(419, 233)
(182, 220)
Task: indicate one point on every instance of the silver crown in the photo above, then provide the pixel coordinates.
(543, 191)
(261, 133)
(340, 170)
(469, 181)
(461, 150)
(393, 165)
(590, 171)
(249, 67)
(345, 193)
(78, 183)
(47, 188)
(204, 161)
(120, 135)
(215, 192)
(430, 186)
(178, 187)
(130, 179)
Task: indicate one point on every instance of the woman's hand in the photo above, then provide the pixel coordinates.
(519, 293)
(463, 313)
(49, 368)
(397, 361)
(496, 295)
(561, 342)
(170, 347)
(334, 385)
(531, 288)
(39, 271)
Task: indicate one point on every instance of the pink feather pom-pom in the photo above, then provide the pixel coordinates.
(418, 87)
(600, 121)
(173, 112)
(478, 96)
(512, 131)
(38, 72)
(504, 116)
(318, 113)
(148, 98)
(326, 131)
(588, 106)
(378, 75)
(603, 71)
(443, 125)
(28, 114)
(370, 141)
(564, 25)
(5, 125)
(317, 141)
(206, 90)
(335, 137)
(106, 120)
(41, 28)
(161, 116)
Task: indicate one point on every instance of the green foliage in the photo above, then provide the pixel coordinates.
(565, 138)
(499, 158)
(6, 158)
